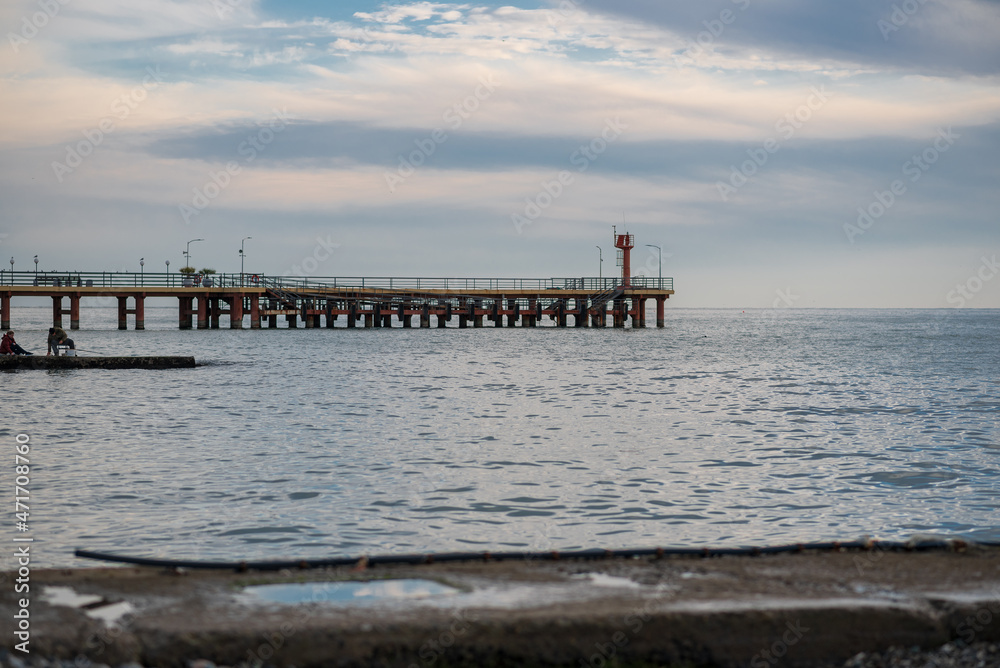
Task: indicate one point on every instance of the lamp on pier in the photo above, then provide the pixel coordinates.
(168, 273)
(600, 262)
(142, 273)
(12, 270)
(242, 256)
(187, 251)
(36, 267)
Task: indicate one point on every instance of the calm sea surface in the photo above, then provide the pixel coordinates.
(726, 428)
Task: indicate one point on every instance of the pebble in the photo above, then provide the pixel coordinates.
(949, 655)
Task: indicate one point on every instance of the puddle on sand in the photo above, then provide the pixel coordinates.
(350, 592)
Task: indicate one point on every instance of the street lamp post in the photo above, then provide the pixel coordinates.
(187, 251)
(168, 273)
(142, 272)
(600, 264)
(242, 256)
(36, 270)
(12, 270)
(659, 265)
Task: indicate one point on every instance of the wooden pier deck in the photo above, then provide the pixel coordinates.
(347, 302)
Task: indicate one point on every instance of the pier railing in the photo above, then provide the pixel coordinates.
(112, 279)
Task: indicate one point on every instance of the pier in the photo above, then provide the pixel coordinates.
(206, 302)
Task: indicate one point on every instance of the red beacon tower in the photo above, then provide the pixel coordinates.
(625, 243)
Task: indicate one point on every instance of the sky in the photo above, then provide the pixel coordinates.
(781, 154)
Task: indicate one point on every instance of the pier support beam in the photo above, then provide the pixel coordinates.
(425, 317)
(74, 311)
(5, 311)
(618, 313)
(202, 311)
(272, 320)
(660, 301)
(638, 312)
(352, 315)
(123, 313)
(254, 311)
(580, 318)
(307, 318)
(184, 307)
(236, 311)
(57, 311)
(140, 311)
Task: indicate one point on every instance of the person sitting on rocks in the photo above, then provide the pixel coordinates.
(57, 337)
(8, 346)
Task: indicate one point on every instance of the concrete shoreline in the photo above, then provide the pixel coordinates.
(27, 362)
(789, 610)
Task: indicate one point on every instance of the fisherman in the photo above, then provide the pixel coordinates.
(57, 337)
(8, 346)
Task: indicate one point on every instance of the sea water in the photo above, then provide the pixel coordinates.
(726, 428)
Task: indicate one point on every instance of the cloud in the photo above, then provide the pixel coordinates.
(930, 36)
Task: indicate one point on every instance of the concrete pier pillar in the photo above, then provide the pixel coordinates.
(184, 312)
(369, 319)
(5, 311)
(214, 312)
(57, 311)
(254, 311)
(292, 320)
(202, 311)
(74, 311)
(561, 314)
(331, 317)
(660, 320)
(405, 317)
(272, 320)
(444, 316)
(581, 318)
(307, 318)
(352, 315)
(123, 313)
(140, 311)
(477, 318)
(618, 313)
(236, 312)
(425, 317)
(528, 318)
(497, 315)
